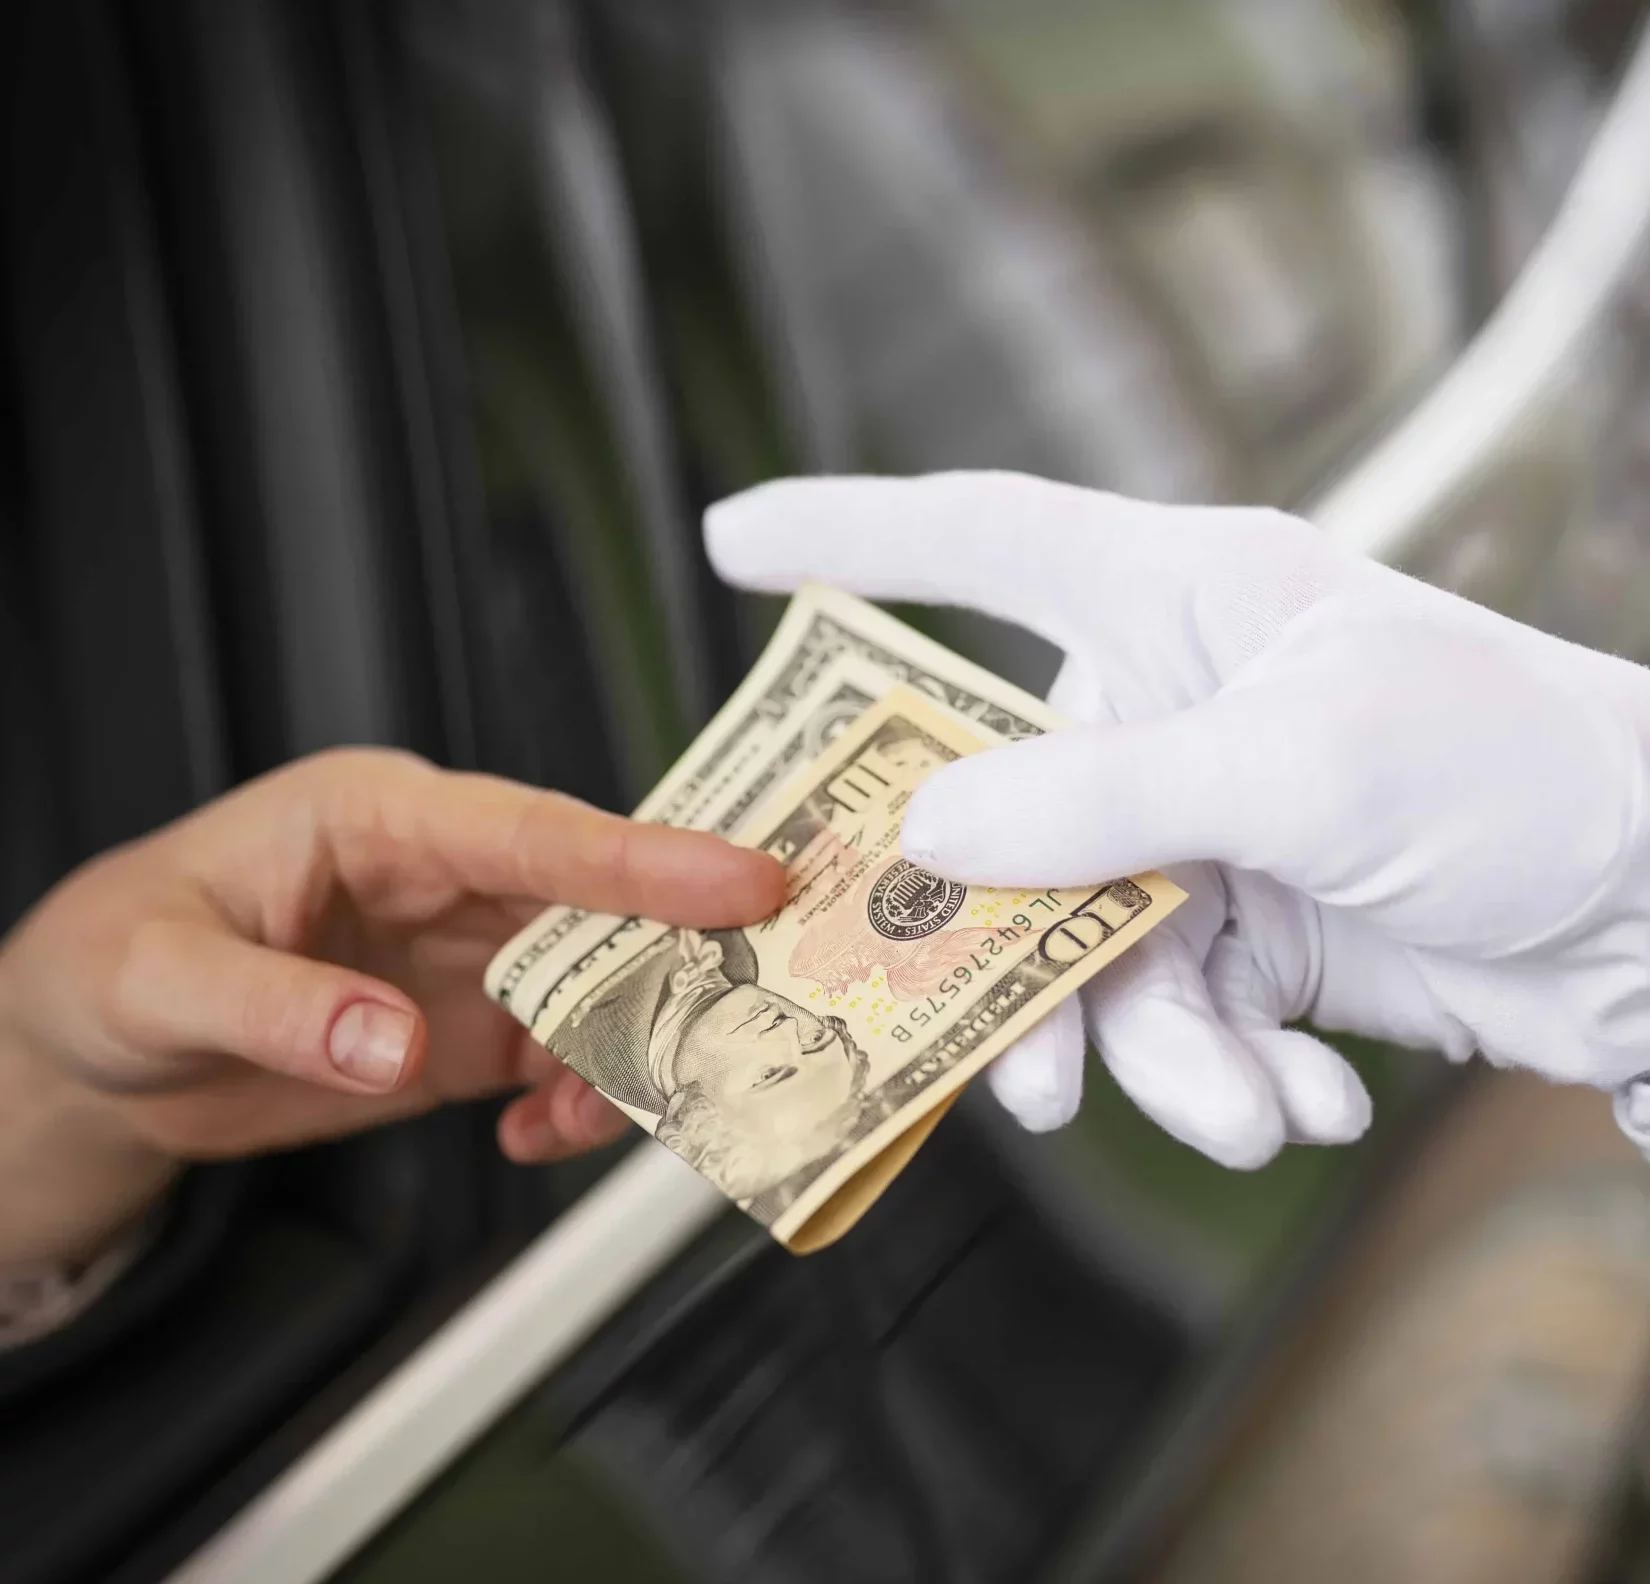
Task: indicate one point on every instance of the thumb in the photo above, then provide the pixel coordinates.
(1094, 802)
(189, 990)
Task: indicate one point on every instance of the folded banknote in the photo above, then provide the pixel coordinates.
(799, 1063)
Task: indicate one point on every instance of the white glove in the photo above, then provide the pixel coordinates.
(1400, 814)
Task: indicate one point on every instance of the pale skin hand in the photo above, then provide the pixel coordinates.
(302, 959)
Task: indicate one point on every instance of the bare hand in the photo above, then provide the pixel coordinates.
(301, 959)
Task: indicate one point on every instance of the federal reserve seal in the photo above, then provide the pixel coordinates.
(908, 903)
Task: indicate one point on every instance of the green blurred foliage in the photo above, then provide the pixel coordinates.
(1247, 1221)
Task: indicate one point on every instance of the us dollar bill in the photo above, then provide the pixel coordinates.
(828, 648)
(799, 1063)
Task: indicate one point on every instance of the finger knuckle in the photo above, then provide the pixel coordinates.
(123, 1000)
(530, 841)
(350, 766)
(623, 864)
(282, 1022)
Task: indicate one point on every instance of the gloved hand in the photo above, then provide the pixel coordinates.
(1396, 813)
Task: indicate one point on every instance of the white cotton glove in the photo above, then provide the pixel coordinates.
(1396, 813)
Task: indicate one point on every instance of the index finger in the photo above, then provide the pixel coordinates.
(498, 838)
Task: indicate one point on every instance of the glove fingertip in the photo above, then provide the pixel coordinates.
(729, 545)
(1248, 1150)
(766, 538)
(1194, 1078)
(1039, 1081)
(1322, 1095)
(939, 827)
(1037, 1107)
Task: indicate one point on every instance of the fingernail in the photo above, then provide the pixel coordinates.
(536, 1139)
(369, 1043)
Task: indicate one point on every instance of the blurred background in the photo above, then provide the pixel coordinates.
(365, 369)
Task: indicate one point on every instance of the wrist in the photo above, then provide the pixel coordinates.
(73, 1175)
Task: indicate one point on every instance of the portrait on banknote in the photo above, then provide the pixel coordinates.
(744, 1083)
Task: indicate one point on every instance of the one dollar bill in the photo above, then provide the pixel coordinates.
(799, 1063)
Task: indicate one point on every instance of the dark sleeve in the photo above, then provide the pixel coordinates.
(202, 1210)
(117, 1432)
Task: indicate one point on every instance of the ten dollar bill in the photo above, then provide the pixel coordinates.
(799, 1063)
